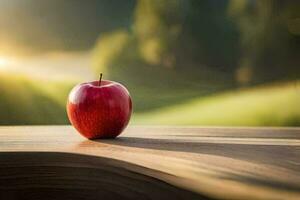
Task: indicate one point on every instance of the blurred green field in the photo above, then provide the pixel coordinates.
(270, 105)
(32, 101)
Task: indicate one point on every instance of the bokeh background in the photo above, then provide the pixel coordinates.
(185, 62)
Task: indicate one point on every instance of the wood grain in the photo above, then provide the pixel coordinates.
(150, 163)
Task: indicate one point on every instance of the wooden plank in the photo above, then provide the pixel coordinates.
(175, 162)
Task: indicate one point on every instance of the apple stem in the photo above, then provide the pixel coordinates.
(100, 78)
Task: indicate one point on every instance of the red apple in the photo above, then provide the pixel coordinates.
(99, 109)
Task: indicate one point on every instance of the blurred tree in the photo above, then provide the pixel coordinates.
(188, 36)
(157, 26)
(183, 34)
(112, 50)
(267, 46)
(209, 37)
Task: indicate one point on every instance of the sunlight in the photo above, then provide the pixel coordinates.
(4, 62)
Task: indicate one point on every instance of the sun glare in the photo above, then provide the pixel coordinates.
(4, 62)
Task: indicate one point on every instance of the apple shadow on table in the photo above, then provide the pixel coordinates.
(278, 155)
(53, 175)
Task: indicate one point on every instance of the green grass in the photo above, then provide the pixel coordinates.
(273, 105)
(169, 86)
(31, 101)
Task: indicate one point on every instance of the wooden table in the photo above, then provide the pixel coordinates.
(54, 162)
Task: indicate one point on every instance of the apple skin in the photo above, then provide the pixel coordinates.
(99, 111)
